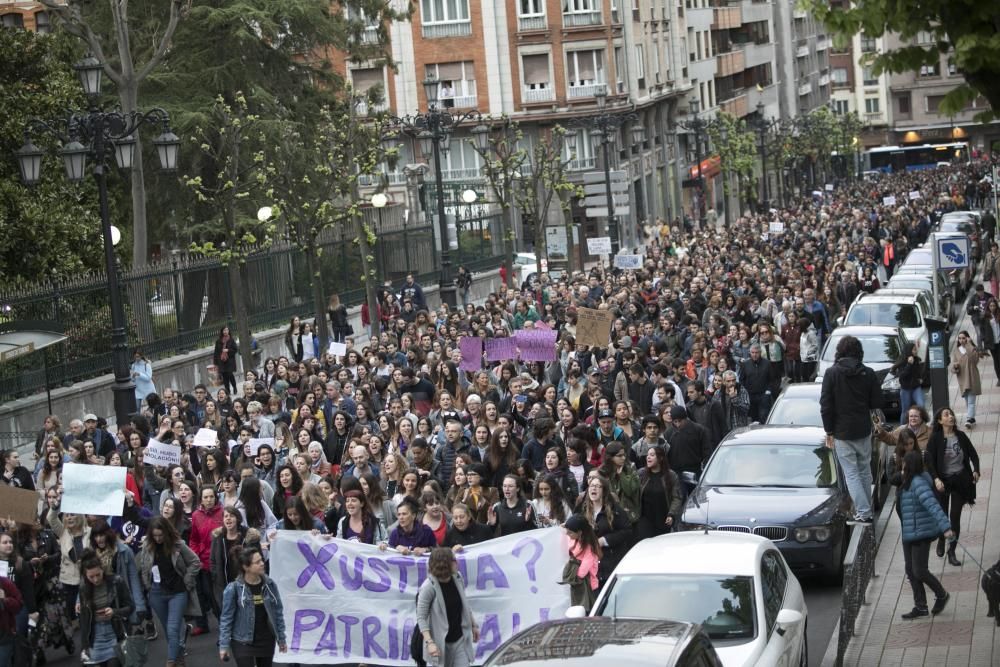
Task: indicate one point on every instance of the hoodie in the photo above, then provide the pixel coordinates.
(851, 391)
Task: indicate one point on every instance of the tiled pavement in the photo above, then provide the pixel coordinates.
(962, 635)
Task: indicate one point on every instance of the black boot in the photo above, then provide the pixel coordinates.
(952, 560)
(940, 547)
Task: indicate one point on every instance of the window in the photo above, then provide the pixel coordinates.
(461, 162)
(841, 107)
(620, 69)
(933, 102)
(458, 83)
(640, 64)
(952, 67)
(867, 44)
(839, 76)
(868, 76)
(582, 157)
(903, 105)
(363, 80)
(924, 37)
(531, 15)
(43, 24)
(12, 21)
(872, 105)
(581, 12)
(537, 82)
(931, 70)
(773, 580)
(697, 48)
(585, 72)
(445, 18)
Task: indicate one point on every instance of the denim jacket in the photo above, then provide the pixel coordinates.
(236, 623)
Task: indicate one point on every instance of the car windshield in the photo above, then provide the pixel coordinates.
(956, 226)
(723, 605)
(791, 466)
(878, 349)
(799, 411)
(884, 315)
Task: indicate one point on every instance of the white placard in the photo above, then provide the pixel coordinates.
(915, 194)
(776, 228)
(889, 201)
(628, 261)
(161, 453)
(205, 437)
(90, 489)
(255, 443)
(600, 245)
(337, 349)
(4, 568)
(347, 602)
(829, 187)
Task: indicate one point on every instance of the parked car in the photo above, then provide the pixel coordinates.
(967, 222)
(738, 587)
(882, 347)
(526, 268)
(798, 405)
(892, 309)
(607, 641)
(782, 483)
(923, 282)
(922, 260)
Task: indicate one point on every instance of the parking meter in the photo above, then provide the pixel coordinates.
(938, 360)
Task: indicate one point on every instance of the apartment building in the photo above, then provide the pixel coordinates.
(23, 15)
(803, 48)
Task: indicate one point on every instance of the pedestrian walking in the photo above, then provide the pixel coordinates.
(224, 359)
(443, 615)
(966, 367)
(953, 463)
(252, 619)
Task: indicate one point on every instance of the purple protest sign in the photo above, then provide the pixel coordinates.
(472, 353)
(501, 349)
(537, 345)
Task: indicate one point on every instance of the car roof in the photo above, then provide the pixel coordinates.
(881, 297)
(801, 390)
(774, 434)
(596, 640)
(865, 330)
(694, 552)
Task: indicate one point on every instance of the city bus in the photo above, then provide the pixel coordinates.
(893, 159)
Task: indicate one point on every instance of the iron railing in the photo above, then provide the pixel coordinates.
(859, 568)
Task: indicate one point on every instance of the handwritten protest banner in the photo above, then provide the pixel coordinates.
(501, 349)
(161, 453)
(205, 437)
(347, 602)
(472, 353)
(593, 326)
(20, 505)
(600, 245)
(889, 201)
(915, 194)
(89, 489)
(337, 349)
(538, 345)
(628, 261)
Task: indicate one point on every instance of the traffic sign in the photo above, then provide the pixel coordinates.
(952, 252)
(602, 200)
(603, 212)
(601, 188)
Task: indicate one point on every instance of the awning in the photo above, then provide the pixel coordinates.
(710, 166)
(14, 344)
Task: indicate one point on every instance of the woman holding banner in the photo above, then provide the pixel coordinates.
(443, 614)
(252, 618)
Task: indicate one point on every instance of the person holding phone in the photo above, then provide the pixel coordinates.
(252, 619)
(105, 606)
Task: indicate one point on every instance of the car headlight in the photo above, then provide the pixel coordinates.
(890, 383)
(801, 534)
(822, 534)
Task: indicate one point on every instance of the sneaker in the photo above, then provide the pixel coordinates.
(860, 521)
(151, 632)
(972, 421)
(968, 423)
(939, 604)
(916, 612)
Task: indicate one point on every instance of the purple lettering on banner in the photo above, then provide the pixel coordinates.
(488, 570)
(472, 353)
(328, 642)
(537, 345)
(501, 349)
(463, 569)
(299, 626)
(403, 563)
(352, 583)
(515, 623)
(393, 626)
(316, 564)
(408, 627)
(370, 627)
(349, 622)
(489, 636)
(529, 566)
(543, 614)
(384, 583)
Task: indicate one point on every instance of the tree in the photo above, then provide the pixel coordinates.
(44, 229)
(968, 29)
(737, 147)
(129, 50)
(234, 142)
(497, 143)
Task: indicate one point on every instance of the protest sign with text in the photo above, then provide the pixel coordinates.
(593, 326)
(161, 453)
(90, 489)
(349, 602)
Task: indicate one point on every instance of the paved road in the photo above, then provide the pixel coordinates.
(202, 652)
(823, 601)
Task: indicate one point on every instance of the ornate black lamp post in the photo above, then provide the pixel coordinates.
(699, 127)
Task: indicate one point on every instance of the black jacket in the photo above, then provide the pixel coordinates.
(229, 365)
(756, 376)
(689, 447)
(850, 392)
(962, 482)
(712, 417)
(121, 606)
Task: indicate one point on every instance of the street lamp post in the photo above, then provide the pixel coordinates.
(603, 127)
(698, 126)
(433, 130)
(763, 127)
(99, 134)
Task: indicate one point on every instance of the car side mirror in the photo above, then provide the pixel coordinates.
(840, 321)
(576, 611)
(787, 617)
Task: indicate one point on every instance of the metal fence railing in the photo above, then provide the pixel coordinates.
(181, 302)
(859, 567)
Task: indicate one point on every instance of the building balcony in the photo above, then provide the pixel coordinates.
(824, 80)
(450, 29)
(462, 101)
(535, 95)
(373, 180)
(581, 163)
(802, 51)
(466, 174)
(737, 106)
(757, 54)
(823, 44)
(363, 107)
(798, 12)
(581, 19)
(726, 18)
(532, 23)
(876, 118)
(805, 88)
(588, 90)
(730, 63)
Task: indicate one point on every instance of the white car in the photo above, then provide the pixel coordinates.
(737, 586)
(893, 309)
(526, 266)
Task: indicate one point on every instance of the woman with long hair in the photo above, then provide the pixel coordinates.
(659, 495)
(409, 486)
(40, 548)
(224, 358)
(289, 484)
(251, 505)
(173, 511)
(555, 466)
(444, 618)
(13, 473)
(298, 517)
(266, 465)
(169, 571)
(233, 535)
(230, 493)
(214, 466)
(252, 619)
(340, 327)
(966, 367)
(549, 503)
(391, 474)
(175, 477)
(457, 487)
(48, 475)
(435, 517)
(609, 521)
(317, 460)
(19, 573)
(106, 605)
(404, 435)
(502, 457)
(512, 513)
(383, 508)
(953, 463)
(922, 519)
(293, 338)
(73, 534)
(359, 523)
(620, 473)
(205, 521)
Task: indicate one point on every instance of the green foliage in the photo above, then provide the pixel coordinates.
(44, 228)
(970, 29)
(736, 144)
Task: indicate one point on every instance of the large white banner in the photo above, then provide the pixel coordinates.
(350, 602)
(90, 489)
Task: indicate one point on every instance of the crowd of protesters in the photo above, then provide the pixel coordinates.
(393, 445)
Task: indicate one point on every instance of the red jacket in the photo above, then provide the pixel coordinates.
(203, 522)
(9, 606)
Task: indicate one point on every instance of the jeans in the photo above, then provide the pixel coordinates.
(6, 652)
(970, 405)
(915, 557)
(908, 397)
(169, 608)
(855, 458)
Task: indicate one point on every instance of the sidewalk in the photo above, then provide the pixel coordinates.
(961, 635)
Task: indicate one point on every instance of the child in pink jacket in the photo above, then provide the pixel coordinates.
(584, 547)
